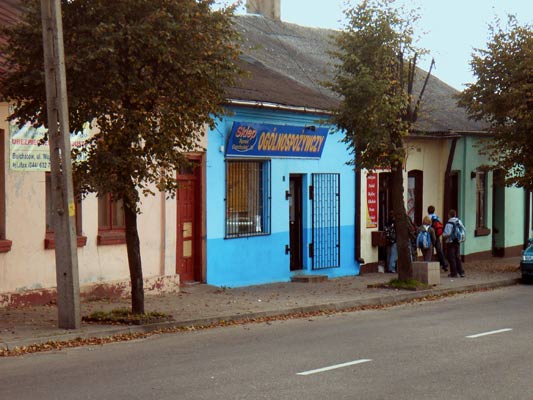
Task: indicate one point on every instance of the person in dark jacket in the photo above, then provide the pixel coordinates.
(453, 246)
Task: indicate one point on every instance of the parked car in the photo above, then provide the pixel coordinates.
(526, 264)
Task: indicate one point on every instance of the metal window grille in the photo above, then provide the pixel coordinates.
(325, 197)
(247, 198)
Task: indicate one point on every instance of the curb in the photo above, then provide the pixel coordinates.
(392, 299)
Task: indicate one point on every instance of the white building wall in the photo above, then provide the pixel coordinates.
(30, 266)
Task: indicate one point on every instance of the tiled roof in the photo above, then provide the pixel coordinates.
(288, 64)
(261, 84)
(302, 54)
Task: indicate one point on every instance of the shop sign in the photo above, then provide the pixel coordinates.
(265, 140)
(372, 200)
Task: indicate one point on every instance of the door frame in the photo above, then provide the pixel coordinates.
(200, 218)
(296, 244)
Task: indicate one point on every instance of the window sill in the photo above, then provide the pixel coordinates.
(50, 242)
(107, 238)
(5, 245)
(482, 232)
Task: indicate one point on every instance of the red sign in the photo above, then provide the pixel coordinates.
(372, 200)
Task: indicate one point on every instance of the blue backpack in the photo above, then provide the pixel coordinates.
(458, 233)
(423, 240)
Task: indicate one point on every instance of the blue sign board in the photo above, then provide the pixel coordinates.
(265, 140)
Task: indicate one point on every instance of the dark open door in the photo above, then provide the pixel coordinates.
(295, 221)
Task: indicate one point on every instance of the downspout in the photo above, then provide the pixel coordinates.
(162, 253)
(357, 224)
(528, 217)
(463, 203)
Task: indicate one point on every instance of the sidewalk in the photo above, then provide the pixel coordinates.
(202, 305)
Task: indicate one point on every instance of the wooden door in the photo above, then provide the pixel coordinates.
(188, 225)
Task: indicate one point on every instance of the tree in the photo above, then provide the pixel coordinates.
(148, 74)
(374, 78)
(503, 97)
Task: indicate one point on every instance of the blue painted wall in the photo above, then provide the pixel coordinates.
(262, 259)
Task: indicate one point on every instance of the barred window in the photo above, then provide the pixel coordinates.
(247, 198)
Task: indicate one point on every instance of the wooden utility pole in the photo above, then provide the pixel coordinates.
(64, 212)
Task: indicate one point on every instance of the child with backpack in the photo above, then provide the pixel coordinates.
(426, 239)
(439, 229)
(454, 234)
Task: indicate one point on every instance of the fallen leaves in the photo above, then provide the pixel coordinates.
(96, 341)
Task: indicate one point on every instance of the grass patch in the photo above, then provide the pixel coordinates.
(397, 284)
(124, 316)
(409, 284)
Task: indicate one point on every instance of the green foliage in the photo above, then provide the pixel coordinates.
(148, 74)
(374, 78)
(125, 316)
(503, 96)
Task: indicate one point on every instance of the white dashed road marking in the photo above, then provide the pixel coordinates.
(316, 371)
(489, 333)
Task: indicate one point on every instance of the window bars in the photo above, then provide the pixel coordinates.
(247, 198)
(325, 197)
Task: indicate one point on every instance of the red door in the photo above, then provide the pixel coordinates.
(188, 226)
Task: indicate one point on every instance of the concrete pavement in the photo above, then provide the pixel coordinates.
(204, 305)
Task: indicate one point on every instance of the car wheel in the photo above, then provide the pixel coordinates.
(526, 280)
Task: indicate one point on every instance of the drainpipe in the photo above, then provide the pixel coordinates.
(357, 225)
(162, 253)
(464, 177)
(527, 218)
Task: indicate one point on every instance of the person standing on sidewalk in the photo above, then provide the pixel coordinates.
(454, 233)
(439, 229)
(426, 239)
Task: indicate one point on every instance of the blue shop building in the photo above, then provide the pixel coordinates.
(279, 193)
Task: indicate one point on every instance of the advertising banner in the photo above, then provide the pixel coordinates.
(265, 140)
(372, 200)
(27, 152)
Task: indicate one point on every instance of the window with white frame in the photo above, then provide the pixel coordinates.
(247, 198)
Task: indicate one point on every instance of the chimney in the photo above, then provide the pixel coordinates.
(266, 8)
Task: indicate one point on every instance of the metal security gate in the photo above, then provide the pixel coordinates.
(324, 194)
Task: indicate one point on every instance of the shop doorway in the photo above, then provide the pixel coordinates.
(498, 213)
(295, 222)
(385, 206)
(188, 235)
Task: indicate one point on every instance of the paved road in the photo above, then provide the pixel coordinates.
(475, 346)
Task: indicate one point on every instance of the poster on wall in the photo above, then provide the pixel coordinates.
(27, 152)
(372, 200)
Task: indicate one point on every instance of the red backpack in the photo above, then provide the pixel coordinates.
(437, 227)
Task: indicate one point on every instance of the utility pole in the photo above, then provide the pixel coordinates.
(68, 290)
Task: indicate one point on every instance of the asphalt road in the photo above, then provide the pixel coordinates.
(474, 346)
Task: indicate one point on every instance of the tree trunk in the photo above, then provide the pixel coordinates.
(134, 259)
(404, 266)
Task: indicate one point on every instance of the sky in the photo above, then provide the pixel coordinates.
(449, 29)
